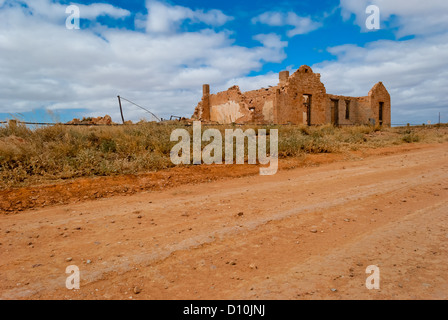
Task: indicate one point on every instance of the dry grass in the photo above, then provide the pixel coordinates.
(30, 156)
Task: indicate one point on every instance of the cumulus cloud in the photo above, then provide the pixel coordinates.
(164, 18)
(56, 12)
(252, 83)
(301, 25)
(95, 10)
(45, 65)
(414, 71)
(271, 40)
(411, 17)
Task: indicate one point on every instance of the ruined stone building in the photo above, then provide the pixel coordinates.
(298, 99)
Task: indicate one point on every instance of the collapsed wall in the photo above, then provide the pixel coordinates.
(298, 99)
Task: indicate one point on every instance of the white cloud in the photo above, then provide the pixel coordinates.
(302, 25)
(274, 19)
(271, 40)
(56, 12)
(251, 83)
(45, 65)
(95, 10)
(414, 71)
(164, 18)
(412, 17)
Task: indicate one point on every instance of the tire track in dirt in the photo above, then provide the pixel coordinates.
(162, 247)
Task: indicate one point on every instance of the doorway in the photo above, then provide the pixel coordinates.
(307, 105)
(380, 113)
(334, 112)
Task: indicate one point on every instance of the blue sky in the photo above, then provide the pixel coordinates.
(159, 53)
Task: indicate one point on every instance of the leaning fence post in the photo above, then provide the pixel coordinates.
(121, 109)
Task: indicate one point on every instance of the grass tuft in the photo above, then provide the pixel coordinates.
(30, 156)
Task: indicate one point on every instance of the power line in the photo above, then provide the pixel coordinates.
(58, 124)
(158, 119)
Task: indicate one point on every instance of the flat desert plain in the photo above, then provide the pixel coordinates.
(305, 233)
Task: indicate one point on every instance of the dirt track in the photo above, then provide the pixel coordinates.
(305, 233)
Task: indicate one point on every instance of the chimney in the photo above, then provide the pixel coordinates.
(284, 76)
(205, 90)
(206, 102)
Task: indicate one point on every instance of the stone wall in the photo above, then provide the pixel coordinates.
(298, 99)
(292, 107)
(358, 110)
(261, 103)
(378, 94)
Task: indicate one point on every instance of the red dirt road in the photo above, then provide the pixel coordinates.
(305, 233)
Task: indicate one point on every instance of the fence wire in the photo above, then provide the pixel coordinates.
(204, 124)
(58, 124)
